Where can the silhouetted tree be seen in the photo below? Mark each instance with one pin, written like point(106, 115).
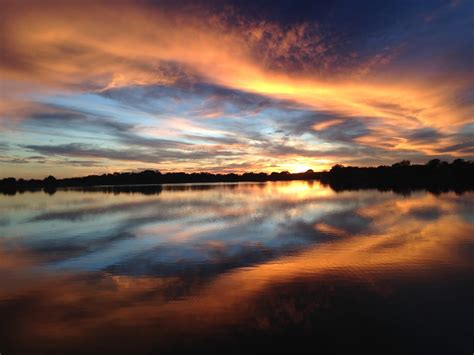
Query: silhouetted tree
point(337, 167)
point(434, 163)
point(50, 180)
point(459, 162)
point(403, 163)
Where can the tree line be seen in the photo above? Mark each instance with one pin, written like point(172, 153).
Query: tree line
point(146, 177)
point(435, 175)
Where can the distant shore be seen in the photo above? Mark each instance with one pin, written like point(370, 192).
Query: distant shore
point(435, 176)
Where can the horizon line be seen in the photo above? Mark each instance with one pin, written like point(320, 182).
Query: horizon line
point(400, 163)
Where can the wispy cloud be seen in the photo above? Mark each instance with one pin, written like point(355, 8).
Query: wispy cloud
point(204, 81)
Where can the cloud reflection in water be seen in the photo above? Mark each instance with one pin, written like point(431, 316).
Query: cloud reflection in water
point(207, 261)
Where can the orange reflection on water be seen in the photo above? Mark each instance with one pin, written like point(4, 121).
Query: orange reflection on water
point(64, 310)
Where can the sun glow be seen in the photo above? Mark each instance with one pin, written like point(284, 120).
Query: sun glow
point(301, 168)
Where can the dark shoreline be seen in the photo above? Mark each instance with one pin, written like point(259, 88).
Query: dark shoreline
point(435, 176)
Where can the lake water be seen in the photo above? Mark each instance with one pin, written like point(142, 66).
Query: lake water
point(236, 267)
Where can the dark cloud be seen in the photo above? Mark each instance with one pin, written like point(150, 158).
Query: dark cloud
point(200, 99)
point(424, 135)
point(218, 140)
point(142, 155)
point(82, 150)
point(56, 117)
point(223, 166)
point(304, 122)
point(465, 148)
point(338, 129)
point(83, 163)
point(345, 131)
point(13, 160)
point(23, 160)
point(61, 119)
point(466, 131)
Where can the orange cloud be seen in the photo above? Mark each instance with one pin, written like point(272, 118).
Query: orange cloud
point(92, 47)
point(96, 46)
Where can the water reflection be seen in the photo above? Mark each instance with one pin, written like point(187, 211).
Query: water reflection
point(234, 267)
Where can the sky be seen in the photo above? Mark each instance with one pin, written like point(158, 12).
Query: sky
point(92, 87)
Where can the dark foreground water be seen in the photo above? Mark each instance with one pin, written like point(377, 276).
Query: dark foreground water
point(235, 268)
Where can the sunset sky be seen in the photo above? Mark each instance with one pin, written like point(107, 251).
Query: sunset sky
point(230, 86)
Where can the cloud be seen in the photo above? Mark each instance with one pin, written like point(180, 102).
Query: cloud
point(466, 148)
point(200, 100)
point(139, 154)
point(13, 159)
point(115, 51)
point(425, 135)
point(206, 78)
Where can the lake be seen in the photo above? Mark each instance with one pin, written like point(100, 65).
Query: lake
point(231, 268)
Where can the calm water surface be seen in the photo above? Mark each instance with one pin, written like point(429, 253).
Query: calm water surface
point(234, 268)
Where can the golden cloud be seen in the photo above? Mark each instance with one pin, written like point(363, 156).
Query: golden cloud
point(94, 47)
